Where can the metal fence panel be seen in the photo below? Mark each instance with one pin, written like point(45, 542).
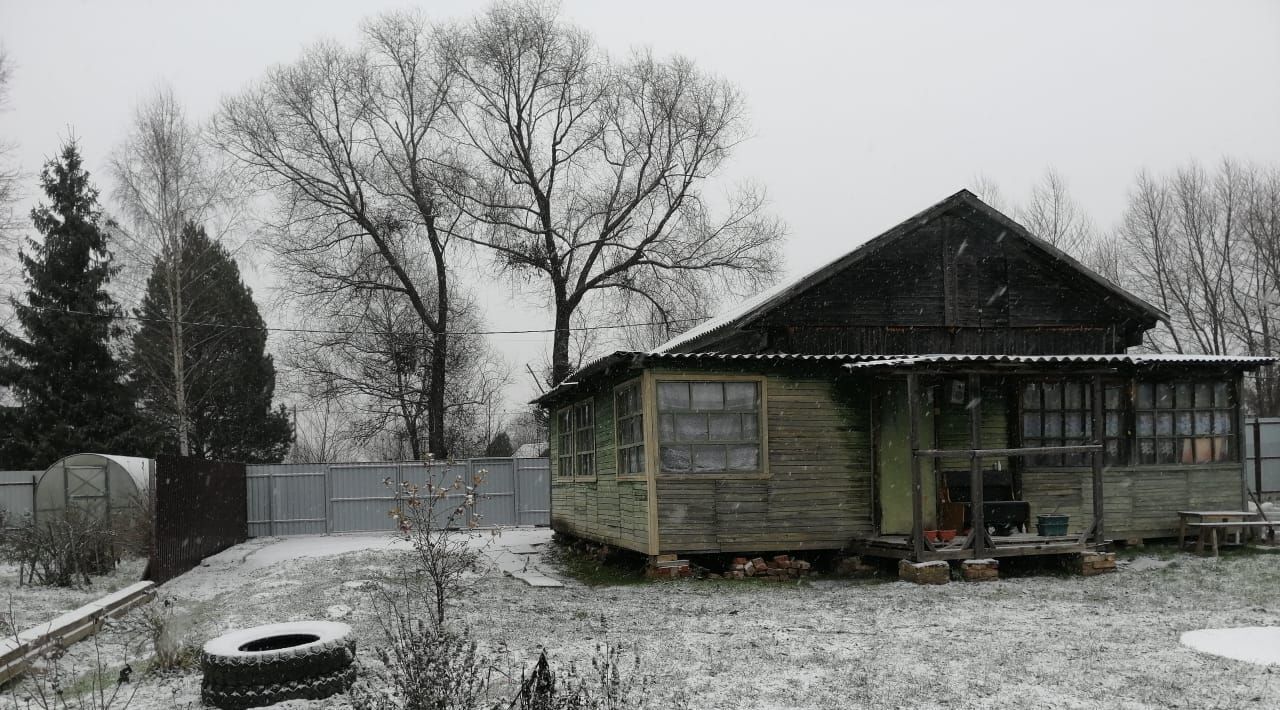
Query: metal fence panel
point(17, 493)
point(309, 499)
point(533, 491)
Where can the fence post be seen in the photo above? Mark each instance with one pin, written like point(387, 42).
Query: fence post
point(328, 499)
point(271, 503)
point(1257, 457)
point(515, 490)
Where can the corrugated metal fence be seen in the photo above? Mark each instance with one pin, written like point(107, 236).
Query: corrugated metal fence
point(317, 499)
point(17, 493)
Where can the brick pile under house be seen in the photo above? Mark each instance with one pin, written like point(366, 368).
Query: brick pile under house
point(779, 567)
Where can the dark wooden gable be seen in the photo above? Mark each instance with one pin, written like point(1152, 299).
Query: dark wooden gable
point(958, 278)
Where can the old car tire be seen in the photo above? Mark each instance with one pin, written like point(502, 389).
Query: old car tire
point(268, 664)
point(240, 697)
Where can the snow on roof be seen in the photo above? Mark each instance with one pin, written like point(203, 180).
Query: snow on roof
point(1109, 359)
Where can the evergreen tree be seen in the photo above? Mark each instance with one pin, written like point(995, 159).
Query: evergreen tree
point(500, 446)
point(229, 379)
point(68, 386)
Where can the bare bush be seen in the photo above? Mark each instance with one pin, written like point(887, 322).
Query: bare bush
point(63, 551)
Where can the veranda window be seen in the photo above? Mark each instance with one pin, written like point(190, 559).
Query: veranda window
point(564, 442)
point(1060, 413)
point(709, 427)
point(628, 412)
point(1184, 422)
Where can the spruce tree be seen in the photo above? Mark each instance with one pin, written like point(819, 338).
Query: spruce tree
point(229, 379)
point(68, 387)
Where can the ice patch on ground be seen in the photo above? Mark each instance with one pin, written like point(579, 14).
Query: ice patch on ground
point(1252, 644)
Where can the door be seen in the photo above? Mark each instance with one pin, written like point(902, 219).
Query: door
point(893, 453)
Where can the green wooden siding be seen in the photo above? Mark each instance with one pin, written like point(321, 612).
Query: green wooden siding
point(605, 510)
point(817, 494)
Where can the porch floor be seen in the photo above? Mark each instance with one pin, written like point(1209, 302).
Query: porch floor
point(1017, 544)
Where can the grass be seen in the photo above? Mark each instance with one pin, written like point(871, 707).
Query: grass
point(615, 570)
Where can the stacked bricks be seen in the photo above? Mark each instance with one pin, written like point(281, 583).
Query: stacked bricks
point(936, 572)
point(779, 568)
point(1093, 563)
point(980, 570)
point(668, 567)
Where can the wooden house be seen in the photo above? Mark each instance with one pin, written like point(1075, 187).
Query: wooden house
point(955, 374)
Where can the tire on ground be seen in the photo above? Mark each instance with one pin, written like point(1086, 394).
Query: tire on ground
point(251, 696)
point(250, 667)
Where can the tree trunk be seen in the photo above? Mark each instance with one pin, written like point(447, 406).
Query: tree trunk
point(435, 394)
point(176, 342)
point(560, 368)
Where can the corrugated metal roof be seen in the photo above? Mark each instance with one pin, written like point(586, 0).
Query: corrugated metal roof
point(853, 361)
point(1106, 359)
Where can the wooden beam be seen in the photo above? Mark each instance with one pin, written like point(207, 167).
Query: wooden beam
point(974, 394)
point(1099, 430)
point(1023, 451)
point(917, 485)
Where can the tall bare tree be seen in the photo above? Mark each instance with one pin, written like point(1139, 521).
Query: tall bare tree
point(165, 179)
point(1051, 214)
point(9, 175)
point(349, 143)
point(589, 175)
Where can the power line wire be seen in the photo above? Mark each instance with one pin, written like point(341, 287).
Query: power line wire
point(323, 331)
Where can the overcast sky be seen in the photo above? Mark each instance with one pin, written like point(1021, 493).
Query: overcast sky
point(863, 113)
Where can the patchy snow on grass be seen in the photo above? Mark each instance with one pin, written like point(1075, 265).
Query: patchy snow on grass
point(1049, 641)
point(31, 605)
point(1256, 644)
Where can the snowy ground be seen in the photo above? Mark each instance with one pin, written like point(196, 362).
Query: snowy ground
point(34, 605)
point(1040, 641)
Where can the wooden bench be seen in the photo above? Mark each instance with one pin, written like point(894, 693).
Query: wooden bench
point(1213, 527)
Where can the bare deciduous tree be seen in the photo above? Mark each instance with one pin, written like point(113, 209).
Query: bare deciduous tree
point(166, 178)
point(9, 178)
point(589, 175)
point(348, 143)
point(1051, 214)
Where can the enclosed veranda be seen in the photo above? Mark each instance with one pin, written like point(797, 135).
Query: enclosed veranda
point(970, 448)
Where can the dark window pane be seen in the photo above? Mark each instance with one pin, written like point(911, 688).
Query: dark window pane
point(744, 458)
point(708, 458)
point(725, 427)
point(750, 426)
point(1074, 395)
point(1073, 425)
point(1031, 425)
point(1164, 396)
point(1222, 422)
point(1113, 424)
point(1113, 450)
point(1184, 423)
point(667, 427)
point(1221, 394)
point(1204, 420)
point(1204, 397)
point(1052, 395)
point(707, 395)
point(1222, 449)
point(1052, 424)
point(1147, 451)
point(1113, 397)
point(673, 396)
point(741, 396)
point(1031, 396)
point(1146, 424)
point(1164, 423)
point(1183, 390)
point(691, 427)
point(1165, 451)
point(1146, 395)
point(675, 458)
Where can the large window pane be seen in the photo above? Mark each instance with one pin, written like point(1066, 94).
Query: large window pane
point(718, 422)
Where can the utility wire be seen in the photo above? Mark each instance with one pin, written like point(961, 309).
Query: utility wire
point(322, 331)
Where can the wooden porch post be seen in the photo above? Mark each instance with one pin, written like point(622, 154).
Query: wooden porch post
point(979, 535)
point(1099, 438)
point(917, 485)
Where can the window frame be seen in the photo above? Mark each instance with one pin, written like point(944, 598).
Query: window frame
point(643, 415)
point(1230, 410)
point(572, 434)
point(762, 416)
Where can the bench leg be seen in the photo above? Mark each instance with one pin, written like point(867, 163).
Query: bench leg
point(1182, 533)
point(1215, 541)
point(1200, 541)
